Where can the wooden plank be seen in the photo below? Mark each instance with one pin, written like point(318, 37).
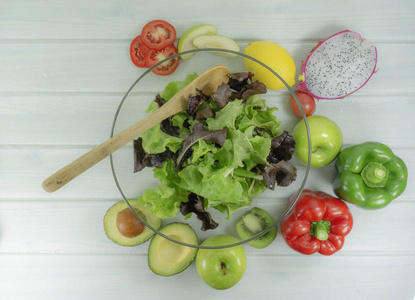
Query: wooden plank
point(21, 176)
point(284, 20)
point(127, 276)
point(106, 67)
point(65, 67)
point(76, 226)
point(83, 119)
point(23, 171)
point(58, 119)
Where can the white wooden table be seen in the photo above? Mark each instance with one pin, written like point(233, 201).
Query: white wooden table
point(64, 67)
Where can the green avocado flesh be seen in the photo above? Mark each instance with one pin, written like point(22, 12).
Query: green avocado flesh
point(167, 258)
point(124, 228)
point(254, 221)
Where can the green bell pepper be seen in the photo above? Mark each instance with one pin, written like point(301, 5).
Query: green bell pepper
point(369, 175)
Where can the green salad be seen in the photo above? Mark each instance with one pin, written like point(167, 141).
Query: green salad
point(221, 151)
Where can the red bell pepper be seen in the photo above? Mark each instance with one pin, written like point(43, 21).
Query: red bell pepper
point(318, 222)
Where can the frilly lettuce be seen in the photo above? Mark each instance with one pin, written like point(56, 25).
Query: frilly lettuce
point(224, 176)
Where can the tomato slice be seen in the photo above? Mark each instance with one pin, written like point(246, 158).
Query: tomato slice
point(154, 56)
point(137, 51)
point(158, 34)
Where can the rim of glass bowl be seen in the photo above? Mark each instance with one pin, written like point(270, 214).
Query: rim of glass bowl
point(298, 193)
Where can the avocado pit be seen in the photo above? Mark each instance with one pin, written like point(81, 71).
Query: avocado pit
point(128, 224)
point(123, 227)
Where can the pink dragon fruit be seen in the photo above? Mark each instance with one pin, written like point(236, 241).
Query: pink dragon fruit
point(338, 66)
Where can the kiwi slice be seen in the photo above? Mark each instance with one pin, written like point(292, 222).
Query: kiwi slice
point(254, 221)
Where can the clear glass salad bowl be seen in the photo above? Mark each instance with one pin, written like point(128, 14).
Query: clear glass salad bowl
point(133, 107)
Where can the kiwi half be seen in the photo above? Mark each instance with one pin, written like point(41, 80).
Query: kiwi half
point(254, 221)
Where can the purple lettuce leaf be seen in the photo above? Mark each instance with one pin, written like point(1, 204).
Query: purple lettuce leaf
point(143, 159)
point(195, 101)
point(240, 86)
point(238, 80)
point(167, 127)
point(283, 173)
point(279, 170)
point(199, 132)
point(282, 148)
point(159, 100)
point(205, 113)
point(222, 95)
point(254, 88)
point(196, 205)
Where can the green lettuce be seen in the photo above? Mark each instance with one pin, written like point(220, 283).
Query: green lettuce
point(154, 139)
point(226, 176)
point(173, 87)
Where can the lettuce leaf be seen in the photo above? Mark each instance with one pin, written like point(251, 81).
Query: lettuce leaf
point(156, 141)
point(196, 205)
point(225, 173)
point(173, 87)
point(200, 133)
point(227, 116)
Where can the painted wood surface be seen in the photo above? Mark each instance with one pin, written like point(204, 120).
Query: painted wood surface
point(64, 68)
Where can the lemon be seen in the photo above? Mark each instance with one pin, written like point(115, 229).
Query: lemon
point(275, 57)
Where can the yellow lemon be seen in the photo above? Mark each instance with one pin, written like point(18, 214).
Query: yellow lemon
point(275, 57)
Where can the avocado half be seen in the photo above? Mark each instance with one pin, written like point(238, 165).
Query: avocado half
point(167, 258)
point(132, 231)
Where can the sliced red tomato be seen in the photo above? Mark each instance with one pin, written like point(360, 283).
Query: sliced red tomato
point(137, 51)
point(158, 34)
point(154, 56)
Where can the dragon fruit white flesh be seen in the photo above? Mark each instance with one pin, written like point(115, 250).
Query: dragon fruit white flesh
point(338, 66)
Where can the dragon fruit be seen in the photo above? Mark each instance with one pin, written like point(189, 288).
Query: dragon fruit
point(338, 66)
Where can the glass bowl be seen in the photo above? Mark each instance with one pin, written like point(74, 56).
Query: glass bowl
point(133, 108)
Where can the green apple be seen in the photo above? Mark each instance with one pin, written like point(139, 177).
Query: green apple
point(326, 141)
point(217, 41)
point(221, 268)
point(186, 40)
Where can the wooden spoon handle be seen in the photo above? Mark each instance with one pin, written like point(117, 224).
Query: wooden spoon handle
point(89, 159)
point(208, 82)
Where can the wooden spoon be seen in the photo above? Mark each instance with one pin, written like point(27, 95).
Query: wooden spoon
point(208, 83)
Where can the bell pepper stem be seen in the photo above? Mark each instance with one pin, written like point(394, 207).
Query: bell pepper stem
point(374, 175)
point(320, 229)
